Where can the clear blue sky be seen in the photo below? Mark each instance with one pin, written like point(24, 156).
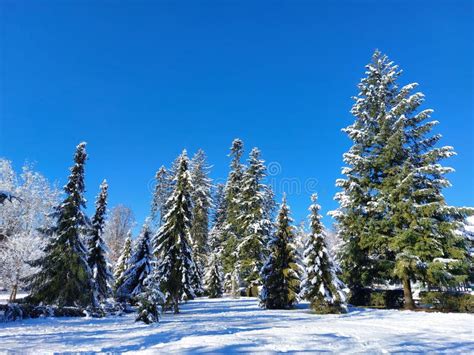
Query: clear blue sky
point(141, 80)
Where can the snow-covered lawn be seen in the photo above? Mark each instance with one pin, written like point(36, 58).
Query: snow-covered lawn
point(239, 325)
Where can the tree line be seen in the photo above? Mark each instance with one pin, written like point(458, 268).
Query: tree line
point(393, 224)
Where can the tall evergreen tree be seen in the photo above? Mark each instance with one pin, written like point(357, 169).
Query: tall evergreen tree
point(201, 199)
point(252, 248)
point(65, 278)
point(176, 268)
point(123, 262)
point(392, 216)
point(97, 257)
point(140, 267)
point(216, 233)
point(232, 228)
point(321, 285)
point(281, 272)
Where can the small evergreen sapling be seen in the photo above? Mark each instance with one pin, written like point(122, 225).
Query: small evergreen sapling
point(123, 261)
point(214, 277)
point(321, 285)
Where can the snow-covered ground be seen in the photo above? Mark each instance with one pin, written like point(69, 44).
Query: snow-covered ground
point(239, 325)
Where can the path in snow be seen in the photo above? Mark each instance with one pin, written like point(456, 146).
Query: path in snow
point(239, 325)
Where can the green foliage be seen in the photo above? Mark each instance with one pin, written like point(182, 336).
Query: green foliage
point(390, 299)
point(281, 272)
point(448, 302)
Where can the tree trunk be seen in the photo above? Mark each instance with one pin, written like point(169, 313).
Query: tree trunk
point(13, 294)
point(407, 295)
point(175, 306)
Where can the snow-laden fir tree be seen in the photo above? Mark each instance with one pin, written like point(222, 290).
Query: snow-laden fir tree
point(254, 226)
point(321, 285)
point(176, 268)
point(65, 278)
point(201, 199)
point(281, 272)
point(393, 218)
point(150, 301)
point(232, 227)
point(139, 267)
point(97, 256)
point(214, 277)
point(160, 195)
point(123, 262)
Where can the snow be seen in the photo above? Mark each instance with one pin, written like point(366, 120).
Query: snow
point(239, 325)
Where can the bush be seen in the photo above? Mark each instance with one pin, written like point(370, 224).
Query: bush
point(366, 297)
point(448, 301)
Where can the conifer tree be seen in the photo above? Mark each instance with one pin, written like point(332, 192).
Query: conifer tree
point(123, 262)
point(281, 272)
point(149, 302)
point(201, 199)
point(393, 217)
point(160, 195)
point(64, 277)
point(252, 248)
point(139, 267)
point(216, 233)
point(176, 268)
point(232, 227)
point(214, 277)
point(321, 285)
point(97, 257)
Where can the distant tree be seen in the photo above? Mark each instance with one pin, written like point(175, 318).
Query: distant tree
point(65, 277)
point(160, 195)
point(117, 227)
point(281, 272)
point(321, 285)
point(214, 277)
point(21, 222)
point(202, 201)
point(140, 267)
point(123, 262)
point(97, 256)
point(233, 226)
point(252, 245)
point(172, 243)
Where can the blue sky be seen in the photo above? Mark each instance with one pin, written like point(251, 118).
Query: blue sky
point(141, 80)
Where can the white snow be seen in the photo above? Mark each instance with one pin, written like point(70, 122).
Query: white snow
point(239, 325)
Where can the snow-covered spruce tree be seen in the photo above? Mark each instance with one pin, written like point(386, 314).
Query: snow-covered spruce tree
point(176, 268)
point(394, 221)
point(97, 256)
point(214, 277)
point(202, 201)
point(218, 221)
point(160, 196)
point(65, 278)
point(149, 301)
point(321, 285)
point(232, 228)
point(252, 248)
point(21, 222)
point(123, 262)
point(140, 267)
point(281, 272)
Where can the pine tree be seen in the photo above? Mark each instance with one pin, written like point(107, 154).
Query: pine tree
point(160, 195)
point(321, 285)
point(65, 278)
point(214, 277)
point(123, 262)
point(140, 267)
point(201, 198)
point(281, 272)
point(176, 269)
point(97, 256)
point(232, 227)
point(251, 248)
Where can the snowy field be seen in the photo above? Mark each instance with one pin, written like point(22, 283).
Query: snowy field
point(229, 325)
